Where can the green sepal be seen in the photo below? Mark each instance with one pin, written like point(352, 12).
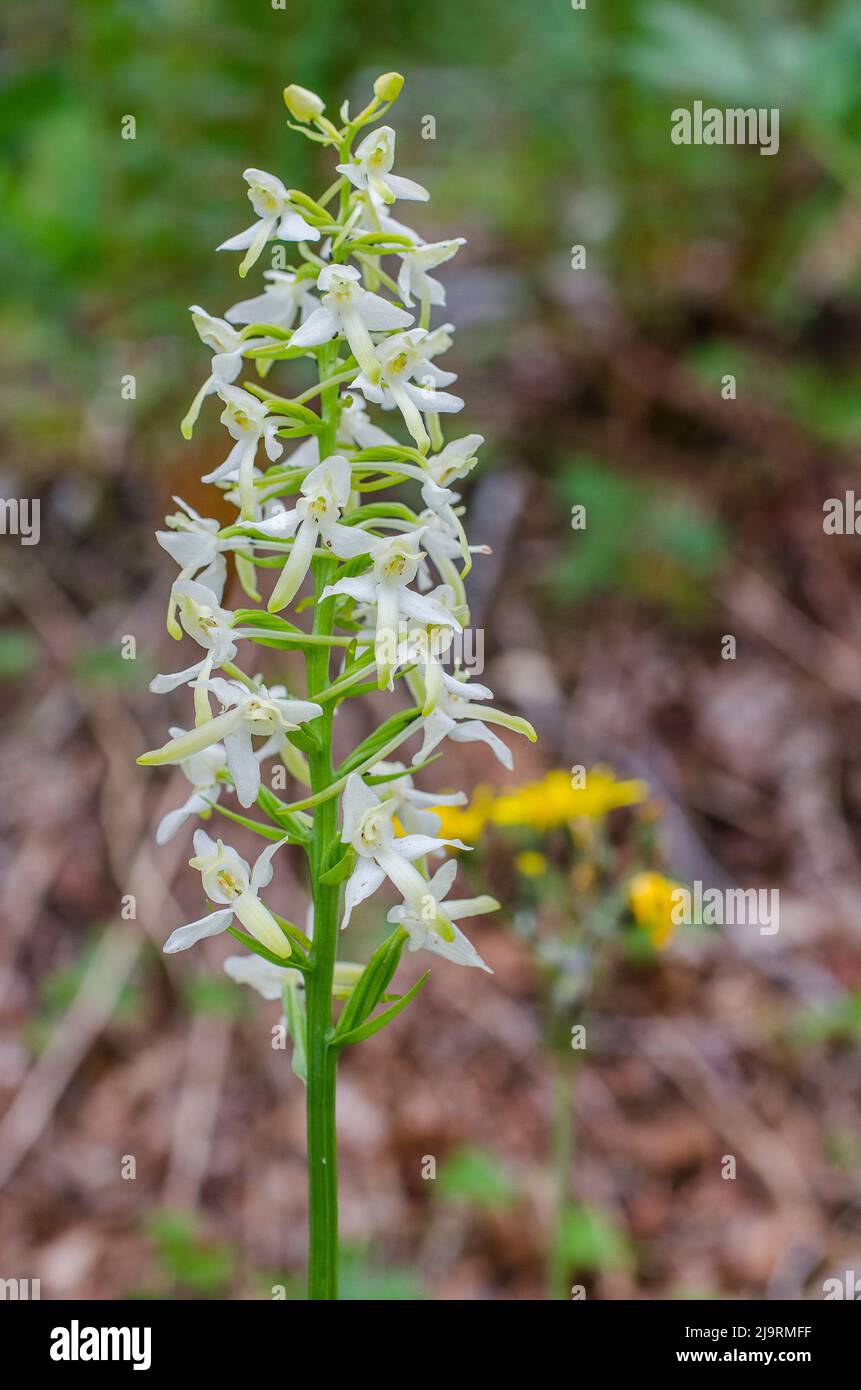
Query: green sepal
point(374, 1025)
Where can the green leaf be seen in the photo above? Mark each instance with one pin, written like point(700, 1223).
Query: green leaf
point(372, 983)
point(297, 825)
point(252, 944)
point(377, 739)
point(269, 832)
point(374, 1025)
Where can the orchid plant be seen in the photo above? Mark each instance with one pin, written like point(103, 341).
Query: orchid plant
point(388, 600)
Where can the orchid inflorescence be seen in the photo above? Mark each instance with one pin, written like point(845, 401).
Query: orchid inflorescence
point(388, 601)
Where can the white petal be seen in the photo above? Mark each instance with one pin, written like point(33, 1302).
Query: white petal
point(320, 327)
point(358, 798)
point(408, 190)
point(473, 731)
point(363, 881)
point(379, 315)
point(210, 925)
point(243, 766)
point(263, 869)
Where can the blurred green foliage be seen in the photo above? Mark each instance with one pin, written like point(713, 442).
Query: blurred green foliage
point(475, 1177)
point(591, 1241)
point(552, 125)
point(189, 1263)
point(646, 540)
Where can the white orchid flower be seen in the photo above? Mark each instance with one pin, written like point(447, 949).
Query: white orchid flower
point(247, 422)
point(210, 625)
point(411, 806)
point(193, 542)
point(245, 714)
point(396, 561)
point(269, 979)
point(402, 358)
point(369, 828)
point(356, 428)
point(370, 168)
point(452, 463)
point(422, 923)
point(414, 279)
point(227, 347)
point(348, 308)
point(455, 716)
point(424, 644)
point(202, 771)
point(286, 298)
point(227, 878)
point(324, 494)
point(276, 218)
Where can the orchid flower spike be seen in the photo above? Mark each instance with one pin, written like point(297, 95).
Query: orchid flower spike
point(370, 169)
point(228, 879)
point(368, 826)
point(276, 217)
point(348, 308)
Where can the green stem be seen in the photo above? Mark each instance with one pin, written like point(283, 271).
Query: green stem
point(322, 1059)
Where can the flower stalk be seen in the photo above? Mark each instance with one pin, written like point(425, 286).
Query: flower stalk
point(381, 620)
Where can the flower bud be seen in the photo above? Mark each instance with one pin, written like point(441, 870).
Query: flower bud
point(388, 86)
point(302, 104)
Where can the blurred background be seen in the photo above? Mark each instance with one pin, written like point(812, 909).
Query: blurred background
point(151, 1139)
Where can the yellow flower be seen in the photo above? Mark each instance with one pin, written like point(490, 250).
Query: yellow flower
point(650, 897)
point(466, 822)
point(530, 863)
point(554, 801)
